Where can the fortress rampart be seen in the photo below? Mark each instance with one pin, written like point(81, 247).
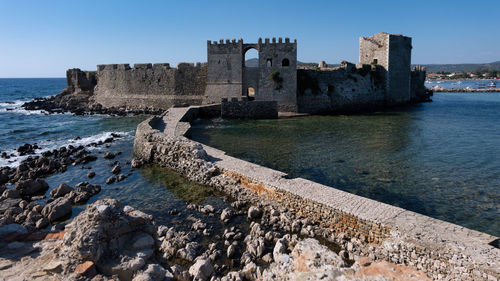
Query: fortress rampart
point(149, 86)
point(348, 88)
point(382, 78)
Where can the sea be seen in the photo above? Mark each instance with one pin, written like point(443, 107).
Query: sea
point(440, 159)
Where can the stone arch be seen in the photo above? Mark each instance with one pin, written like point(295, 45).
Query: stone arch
point(285, 62)
point(251, 53)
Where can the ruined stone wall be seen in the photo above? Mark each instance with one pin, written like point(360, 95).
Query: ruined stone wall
point(78, 80)
point(147, 86)
point(245, 109)
point(349, 88)
point(418, 91)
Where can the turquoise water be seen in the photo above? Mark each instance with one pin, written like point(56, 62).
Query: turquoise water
point(440, 159)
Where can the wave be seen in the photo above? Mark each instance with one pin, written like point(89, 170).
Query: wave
point(47, 145)
point(16, 103)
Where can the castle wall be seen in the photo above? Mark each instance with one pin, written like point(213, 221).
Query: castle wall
point(349, 88)
point(80, 81)
point(245, 109)
point(398, 78)
point(147, 86)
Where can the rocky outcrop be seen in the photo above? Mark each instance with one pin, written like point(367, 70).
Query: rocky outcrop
point(309, 260)
point(118, 240)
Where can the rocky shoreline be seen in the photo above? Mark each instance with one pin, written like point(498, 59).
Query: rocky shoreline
point(79, 102)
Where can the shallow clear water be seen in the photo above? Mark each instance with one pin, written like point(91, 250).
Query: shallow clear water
point(440, 159)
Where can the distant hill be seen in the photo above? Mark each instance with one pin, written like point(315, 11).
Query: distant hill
point(464, 67)
point(252, 62)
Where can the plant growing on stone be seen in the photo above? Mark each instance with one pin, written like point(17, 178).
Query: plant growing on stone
point(277, 79)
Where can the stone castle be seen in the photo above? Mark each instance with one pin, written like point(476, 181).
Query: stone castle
point(383, 77)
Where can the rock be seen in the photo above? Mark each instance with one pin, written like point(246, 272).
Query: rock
point(201, 270)
point(226, 215)
point(86, 269)
point(111, 180)
point(25, 149)
point(136, 163)
point(8, 203)
point(61, 190)
point(108, 155)
point(308, 258)
point(116, 169)
point(156, 271)
point(10, 193)
point(31, 187)
point(254, 212)
point(207, 209)
point(199, 225)
point(91, 175)
point(57, 209)
point(23, 204)
point(231, 251)
point(41, 223)
point(121, 177)
point(189, 252)
point(233, 276)
point(143, 241)
point(12, 228)
point(162, 230)
point(280, 249)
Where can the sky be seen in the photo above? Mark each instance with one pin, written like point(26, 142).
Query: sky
point(44, 38)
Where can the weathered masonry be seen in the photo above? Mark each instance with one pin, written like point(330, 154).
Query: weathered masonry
point(393, 53)
point(382, 78)
point(273, 79)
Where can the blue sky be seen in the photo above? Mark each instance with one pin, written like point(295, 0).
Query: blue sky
point(44, 38)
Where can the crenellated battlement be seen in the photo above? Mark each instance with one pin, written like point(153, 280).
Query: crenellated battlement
point(145, 66)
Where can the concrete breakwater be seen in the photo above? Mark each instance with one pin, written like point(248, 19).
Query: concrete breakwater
point(367, 228)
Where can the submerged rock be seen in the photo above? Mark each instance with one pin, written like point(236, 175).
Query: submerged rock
point(61, 190)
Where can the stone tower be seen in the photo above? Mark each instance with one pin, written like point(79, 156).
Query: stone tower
point(274, 78)
point(393, 52)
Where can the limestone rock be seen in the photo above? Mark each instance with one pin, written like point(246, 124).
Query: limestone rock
point(226, 215)
point(201, 270)
point(254, 212)
point(57, 209)
point(31, 187)
point(116, 169)
point(61, 190)
point(13, 228)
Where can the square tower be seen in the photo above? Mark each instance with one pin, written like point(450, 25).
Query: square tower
point(274, 78)
point(393, 52)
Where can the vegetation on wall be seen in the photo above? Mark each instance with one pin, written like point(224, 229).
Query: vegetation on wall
point(277, 79)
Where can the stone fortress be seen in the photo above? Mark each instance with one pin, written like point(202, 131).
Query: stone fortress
point(383, 77)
